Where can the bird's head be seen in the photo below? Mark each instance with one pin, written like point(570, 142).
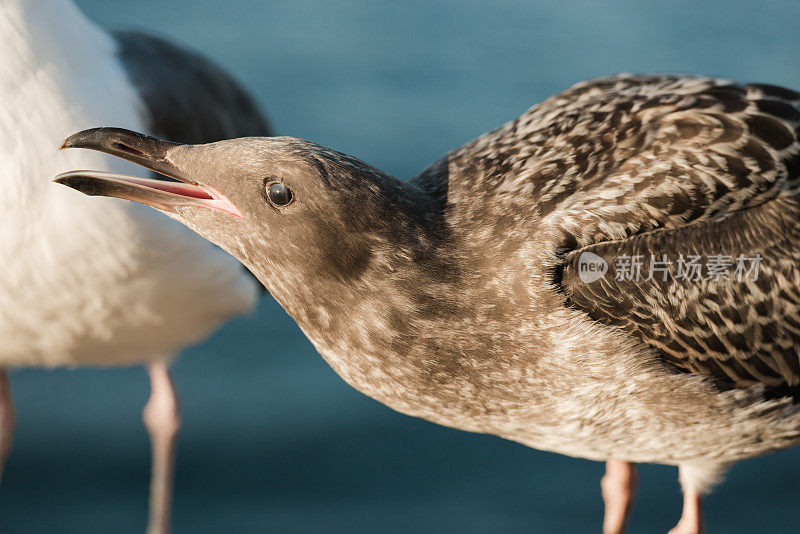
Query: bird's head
point(285, 207)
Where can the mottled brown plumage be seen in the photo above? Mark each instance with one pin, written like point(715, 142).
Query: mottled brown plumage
point(692, 166)
point(741, 332)
point(458, 298)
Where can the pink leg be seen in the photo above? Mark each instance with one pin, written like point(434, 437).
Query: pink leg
point(162, 418)
point(7, 418)
point(618, 486)
point(691, 521)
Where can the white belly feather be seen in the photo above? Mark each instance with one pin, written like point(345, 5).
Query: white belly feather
point(88, 281)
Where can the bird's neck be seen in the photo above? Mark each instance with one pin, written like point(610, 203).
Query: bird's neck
point(425, 325)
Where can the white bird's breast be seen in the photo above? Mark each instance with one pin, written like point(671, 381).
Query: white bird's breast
point(88, 280)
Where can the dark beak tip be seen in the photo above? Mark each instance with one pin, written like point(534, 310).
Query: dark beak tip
point(83, 184)
point(65, 178)
point(69, 142)
point(92, 138)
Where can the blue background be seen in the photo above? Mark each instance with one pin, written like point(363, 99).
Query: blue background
point(273, 440)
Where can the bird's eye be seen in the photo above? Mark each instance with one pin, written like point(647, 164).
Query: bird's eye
point(279, 194)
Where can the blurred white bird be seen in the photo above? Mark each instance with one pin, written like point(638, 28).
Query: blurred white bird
point(112, 282)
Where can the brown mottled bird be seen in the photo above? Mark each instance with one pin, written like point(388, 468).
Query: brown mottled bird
point(494, 292)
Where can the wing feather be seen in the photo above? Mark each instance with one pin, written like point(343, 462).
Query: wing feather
point(188, 98)
point(638, 165)
point(739, 328)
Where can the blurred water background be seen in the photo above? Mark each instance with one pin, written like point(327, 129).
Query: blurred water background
point(273, 440)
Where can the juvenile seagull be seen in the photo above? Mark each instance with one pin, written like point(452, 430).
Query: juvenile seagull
point(111, 284)
point(463, 298)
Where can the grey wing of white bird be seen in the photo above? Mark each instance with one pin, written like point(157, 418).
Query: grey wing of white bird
point(188, 98)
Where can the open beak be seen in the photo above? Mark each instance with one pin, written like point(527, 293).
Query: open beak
point(150, 153)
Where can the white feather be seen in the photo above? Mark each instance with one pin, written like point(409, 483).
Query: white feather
point(88, 281)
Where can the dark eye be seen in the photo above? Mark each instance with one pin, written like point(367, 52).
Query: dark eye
point(279, 194)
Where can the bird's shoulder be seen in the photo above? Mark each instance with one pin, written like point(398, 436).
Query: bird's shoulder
point(637, 171)
point(188, 98)
point(620, 155)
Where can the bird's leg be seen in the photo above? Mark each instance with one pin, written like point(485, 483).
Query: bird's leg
point(691, 521)
point(162, 418)
point(618, 486)
point(7, 418)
